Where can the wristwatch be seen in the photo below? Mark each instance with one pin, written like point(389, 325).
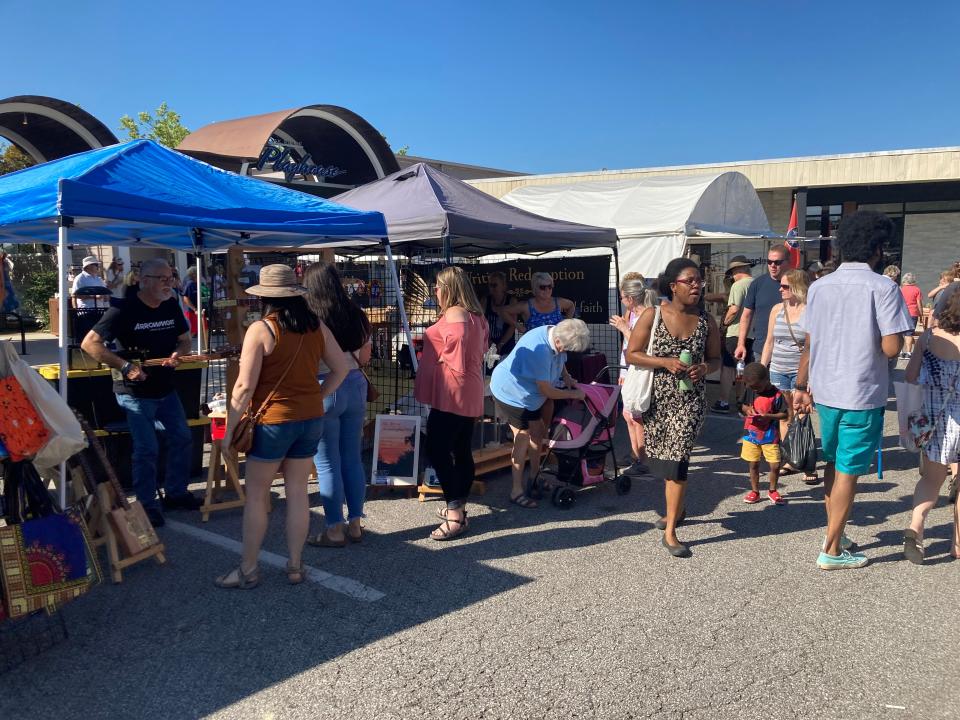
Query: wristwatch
point(125, 368)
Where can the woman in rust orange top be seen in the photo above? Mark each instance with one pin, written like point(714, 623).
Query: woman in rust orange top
point(450, 381)
point(279, 363)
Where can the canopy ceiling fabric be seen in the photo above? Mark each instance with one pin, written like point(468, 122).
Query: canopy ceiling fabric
point(142, 193)
point(655, 216)
point(423, 205)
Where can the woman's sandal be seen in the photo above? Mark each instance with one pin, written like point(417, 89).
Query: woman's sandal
point(811, 479)
point(355, 538)
point(323, 540)
point(296, 574)
point(237, 579)
point(446, 530)
point(524, 501)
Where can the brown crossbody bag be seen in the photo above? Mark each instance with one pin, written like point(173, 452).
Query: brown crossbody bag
point(242, 439)
point(372, 392)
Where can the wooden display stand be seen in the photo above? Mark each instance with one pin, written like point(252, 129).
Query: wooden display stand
point(223, 474)
point(102, 533)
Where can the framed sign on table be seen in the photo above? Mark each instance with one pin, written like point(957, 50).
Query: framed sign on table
point(396, 450)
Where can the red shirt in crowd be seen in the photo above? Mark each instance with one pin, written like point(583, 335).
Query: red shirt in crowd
point(911, 295)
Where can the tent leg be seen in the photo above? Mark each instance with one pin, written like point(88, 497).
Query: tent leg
point(616, 269)
point(64, 304)
point(199, 306)
point(403, 311)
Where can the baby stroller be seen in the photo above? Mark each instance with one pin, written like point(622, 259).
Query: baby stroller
point(581, 439)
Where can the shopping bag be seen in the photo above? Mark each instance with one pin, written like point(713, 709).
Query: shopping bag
point(911, 418)
point(638, 384)
point(45, 560)
point(799, 447)
point(65, 436)
point(21, 429)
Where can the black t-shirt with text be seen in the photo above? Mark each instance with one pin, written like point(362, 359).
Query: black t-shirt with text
point(143, 333)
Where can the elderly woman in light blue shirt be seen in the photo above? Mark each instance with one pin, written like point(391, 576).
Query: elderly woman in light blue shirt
point(524, 381)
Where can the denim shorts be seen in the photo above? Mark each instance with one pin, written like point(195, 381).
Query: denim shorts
point(296, 439)
point(783, 382)
point(850, 438)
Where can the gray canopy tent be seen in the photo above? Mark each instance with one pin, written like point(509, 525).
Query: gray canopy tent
point(428, 209)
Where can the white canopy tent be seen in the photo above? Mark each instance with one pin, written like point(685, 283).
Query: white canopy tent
point(656, 217)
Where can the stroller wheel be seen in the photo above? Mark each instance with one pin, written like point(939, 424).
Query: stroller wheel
point(623, 483)
point(563, 498)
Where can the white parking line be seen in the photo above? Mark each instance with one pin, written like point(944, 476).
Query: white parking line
point(337, 583)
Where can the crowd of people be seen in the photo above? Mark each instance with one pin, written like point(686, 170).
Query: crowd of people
point(780, 342)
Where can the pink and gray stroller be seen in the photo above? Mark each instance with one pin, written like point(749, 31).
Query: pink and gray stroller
point(581, 440)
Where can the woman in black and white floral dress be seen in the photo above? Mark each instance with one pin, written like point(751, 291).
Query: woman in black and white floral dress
point(936, 366)
point(676, 415)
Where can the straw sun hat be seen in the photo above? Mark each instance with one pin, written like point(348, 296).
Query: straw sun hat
point(277, 281)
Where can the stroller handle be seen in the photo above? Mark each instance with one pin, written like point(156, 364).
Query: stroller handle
point(606, 369)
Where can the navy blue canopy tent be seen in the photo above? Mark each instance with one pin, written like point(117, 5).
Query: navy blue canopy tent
point(143, 194)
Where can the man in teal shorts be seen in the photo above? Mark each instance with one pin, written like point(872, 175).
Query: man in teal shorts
point(854, 322)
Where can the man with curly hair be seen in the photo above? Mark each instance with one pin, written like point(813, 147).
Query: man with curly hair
point(854, 322)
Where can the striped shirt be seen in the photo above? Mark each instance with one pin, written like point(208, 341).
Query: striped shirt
point(786, 353)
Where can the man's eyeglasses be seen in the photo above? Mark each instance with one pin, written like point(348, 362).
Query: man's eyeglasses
point(778, 263)
point(161, 278)
point(545, 287)
point(690, 281)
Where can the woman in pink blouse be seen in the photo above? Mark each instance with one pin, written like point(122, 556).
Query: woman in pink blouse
point(450, 381)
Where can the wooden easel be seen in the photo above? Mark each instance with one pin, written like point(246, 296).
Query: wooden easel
point(102, 533)
point(223, 474)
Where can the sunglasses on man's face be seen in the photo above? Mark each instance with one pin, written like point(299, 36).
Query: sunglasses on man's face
point(778, 263)
point(545, 287)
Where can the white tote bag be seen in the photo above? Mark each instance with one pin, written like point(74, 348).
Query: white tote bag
point(66, 435)
point(909, 401)
point(638, 385)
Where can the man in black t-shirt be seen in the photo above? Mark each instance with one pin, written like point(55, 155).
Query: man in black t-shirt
point(150, 325)
point(762, 295)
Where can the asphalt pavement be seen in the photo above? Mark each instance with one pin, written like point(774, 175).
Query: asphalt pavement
point(543, 613)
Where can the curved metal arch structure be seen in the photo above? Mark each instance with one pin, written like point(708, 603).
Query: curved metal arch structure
point(47, 128)
point(325, 136)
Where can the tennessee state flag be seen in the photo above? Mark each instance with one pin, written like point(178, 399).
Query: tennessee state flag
point(793, 237)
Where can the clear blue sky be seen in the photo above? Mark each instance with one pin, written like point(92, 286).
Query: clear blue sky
point(548, 86)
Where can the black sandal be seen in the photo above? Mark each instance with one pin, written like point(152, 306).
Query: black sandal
point(524, 501)
point(442, 535)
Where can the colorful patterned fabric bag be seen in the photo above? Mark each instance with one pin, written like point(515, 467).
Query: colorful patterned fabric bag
point(45, 560)
point(22, 430)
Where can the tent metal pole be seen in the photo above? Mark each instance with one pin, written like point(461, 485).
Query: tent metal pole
point(197, 249)
point(64, 309)
point(403, 311)
point(447, 250)
point(616, 269)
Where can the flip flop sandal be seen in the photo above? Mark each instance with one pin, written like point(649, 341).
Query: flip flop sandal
point(811, 479)
point(442, 535)
point(912, 547)
point(523, 501)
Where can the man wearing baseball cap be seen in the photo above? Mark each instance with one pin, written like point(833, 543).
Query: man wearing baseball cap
point(90, 277)
point(738, 270)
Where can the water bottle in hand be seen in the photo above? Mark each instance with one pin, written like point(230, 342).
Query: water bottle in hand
point(686, 384)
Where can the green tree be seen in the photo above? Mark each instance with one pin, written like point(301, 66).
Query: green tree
point(13, 158)
point(164, 126)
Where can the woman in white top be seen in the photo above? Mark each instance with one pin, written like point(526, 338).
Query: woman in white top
point(634, 296)
point(339, 465)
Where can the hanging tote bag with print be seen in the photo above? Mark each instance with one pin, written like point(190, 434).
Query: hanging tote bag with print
point(638, 385)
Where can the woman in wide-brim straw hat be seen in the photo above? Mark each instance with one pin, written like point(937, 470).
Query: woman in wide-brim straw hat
point(279, 362)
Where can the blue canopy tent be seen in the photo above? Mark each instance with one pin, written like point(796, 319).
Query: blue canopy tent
point(143, 194)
